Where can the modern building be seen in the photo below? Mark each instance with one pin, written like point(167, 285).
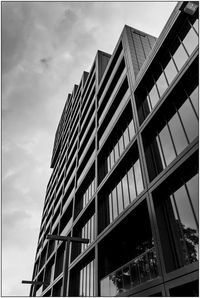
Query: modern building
point(125, 172)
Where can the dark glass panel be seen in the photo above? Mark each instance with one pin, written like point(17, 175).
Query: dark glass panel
point(154, 97)
point(161, 84)
point(125, 191)
point(138, 177)
point(180, 57)
point(170, 71)
point(167, 145)
point(193, 188)
point(178, 134)
point(120, 197)
point(189, 119)
point(194, 96)
point(190, 41)
point(126, 278)
point(131, 182)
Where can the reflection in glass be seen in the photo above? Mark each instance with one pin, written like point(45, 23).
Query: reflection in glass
point(190, 41)
point(178, 135)
point(139, 270)
point(193, 187)
point(138, 177)
point(153, 95)
point(126, 137)
point(121, 145)
point(131, 182)
point(120, 197)
point(161, 84)
point(189, 119)
point(110, 208)
point(180, 57)
point(131, 129)
point(194, 96)
point(115, 207)
point(170, 71)
point(196, 25)
point(125, 191)
point(167, 145)
point(160, 152)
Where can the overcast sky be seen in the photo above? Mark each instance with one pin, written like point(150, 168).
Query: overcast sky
point(45, 49)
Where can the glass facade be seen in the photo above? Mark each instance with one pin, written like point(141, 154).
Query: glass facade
point(178, 132)
point(86, 284)
point(126, 191)
point(125, 172)
point(178, 223)
point(174, 58)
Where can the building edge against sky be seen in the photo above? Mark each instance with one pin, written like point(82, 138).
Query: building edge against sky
point(125, 172)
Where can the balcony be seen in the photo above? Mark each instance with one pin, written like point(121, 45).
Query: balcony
point(141, 269)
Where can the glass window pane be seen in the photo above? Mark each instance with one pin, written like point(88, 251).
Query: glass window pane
point(91, 280)
point(193, 187)
point(131, 182)
point(131, 129)
point(194, 96)
point(116, 152)
point(167, 146)
point(184, 208)
point(160, 154)
point(180, 57)
point(121, 145)
point(154, 97)
point(170, 71)
point(178, 134)
point(189, 119)
point(196, 25)
point(80, 284)
point(190, 41)
point(125, 191)
point(138, 177)
point(126, 138)
point(88, 280)
point(110, 208)
point(120, 197)
point(115, 205)
point(112, 161)
point(161, 84)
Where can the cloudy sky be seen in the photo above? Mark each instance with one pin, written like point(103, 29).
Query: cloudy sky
point(45, 49)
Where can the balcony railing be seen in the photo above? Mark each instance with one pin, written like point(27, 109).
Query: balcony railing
point(141, 269)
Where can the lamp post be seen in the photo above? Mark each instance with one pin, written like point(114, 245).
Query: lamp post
point(67, 239)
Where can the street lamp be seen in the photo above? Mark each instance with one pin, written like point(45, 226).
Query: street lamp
point(66, 256)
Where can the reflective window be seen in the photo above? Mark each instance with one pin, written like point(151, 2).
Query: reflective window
point(196, 25)
point(126, 138)
point(160, 152)
point(131, 181)
point(178, 134)
point(88, 231)
point(170, 71)
point(120, 197)
point(121, 145)
point(189, 119)
point(86, 281)
point(194, 96)
point(180, 57)
point(193, 189)
point(161, 84)
point(131, 129)
point(125, 191)
point(190, 41)
point(138, 177)
point(167, 145)
point(154, 97)
point(116, 151)
point(115, 204)
point(111, 208)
